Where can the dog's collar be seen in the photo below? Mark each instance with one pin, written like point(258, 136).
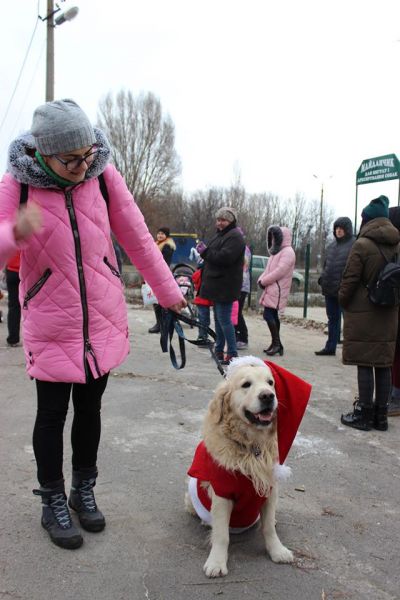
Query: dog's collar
point(253, 448)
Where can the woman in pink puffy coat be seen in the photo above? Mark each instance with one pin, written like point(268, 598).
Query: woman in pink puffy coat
point(276, 281)
point(75, 327)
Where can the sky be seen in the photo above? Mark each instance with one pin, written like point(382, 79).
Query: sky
point(277, 92)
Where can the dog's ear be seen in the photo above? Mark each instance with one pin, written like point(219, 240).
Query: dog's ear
point(218, 403)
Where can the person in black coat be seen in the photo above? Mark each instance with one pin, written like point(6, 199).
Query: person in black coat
point(222, 278)
point(335, 261)
point(394, 402)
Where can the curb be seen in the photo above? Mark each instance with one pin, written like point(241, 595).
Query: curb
point(303, 322)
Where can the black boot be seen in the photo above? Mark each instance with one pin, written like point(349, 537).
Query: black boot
point(360, 418)
point(56, 518)
point(266, 350)
point(325, 352)
point(157, 327)
point(81, 499)
point(380, 417)
point(276, 346)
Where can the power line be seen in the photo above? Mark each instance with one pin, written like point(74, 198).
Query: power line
point(29, 87)
point(19, 76)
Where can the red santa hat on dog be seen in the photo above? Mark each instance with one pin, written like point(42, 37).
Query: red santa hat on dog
point(292, 394)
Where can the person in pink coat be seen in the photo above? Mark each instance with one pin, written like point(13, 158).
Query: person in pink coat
point(276, 281)
point(74, 317)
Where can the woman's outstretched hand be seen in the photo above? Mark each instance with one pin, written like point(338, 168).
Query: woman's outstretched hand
point(29, 220)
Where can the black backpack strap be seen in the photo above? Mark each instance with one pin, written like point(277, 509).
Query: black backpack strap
point(23, 194)
point(103, 188)
point(383, 256)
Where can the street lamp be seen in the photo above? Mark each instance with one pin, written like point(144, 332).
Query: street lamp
point(321, 214)
point(52, 22)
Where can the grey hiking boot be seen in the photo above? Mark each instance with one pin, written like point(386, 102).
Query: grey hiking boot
point(82, 500)
point(56, 518)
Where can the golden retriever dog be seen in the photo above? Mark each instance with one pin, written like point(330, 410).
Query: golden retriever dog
point(233, 477)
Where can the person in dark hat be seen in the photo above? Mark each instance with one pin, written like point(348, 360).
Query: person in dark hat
point(369, 333)
point(222, 278)
point(167, 247)
point(334, 263)
point(394, 402)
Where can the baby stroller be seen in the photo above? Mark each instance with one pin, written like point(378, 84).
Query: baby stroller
point(183, 274)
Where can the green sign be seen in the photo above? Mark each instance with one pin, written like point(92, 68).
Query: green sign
point(381, 168)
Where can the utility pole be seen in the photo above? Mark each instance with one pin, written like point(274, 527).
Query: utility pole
point(50, 52)
point(52, 22)
point(321, 216)
point(321, 221)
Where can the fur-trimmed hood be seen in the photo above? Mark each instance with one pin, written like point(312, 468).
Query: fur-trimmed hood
point(24, 168)
point(278, 238)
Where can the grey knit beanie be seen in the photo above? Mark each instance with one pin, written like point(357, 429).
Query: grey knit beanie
point(227, 213)
point(61, 126)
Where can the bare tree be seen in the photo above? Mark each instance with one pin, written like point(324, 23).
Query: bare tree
point(201, 209)
point(142, 143)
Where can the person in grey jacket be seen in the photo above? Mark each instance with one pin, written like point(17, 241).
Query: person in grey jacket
point(335, 261)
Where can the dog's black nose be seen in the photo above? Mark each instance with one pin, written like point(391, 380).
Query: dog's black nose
point(266, 399)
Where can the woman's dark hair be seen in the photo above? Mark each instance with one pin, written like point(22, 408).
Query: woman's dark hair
point(164, 230)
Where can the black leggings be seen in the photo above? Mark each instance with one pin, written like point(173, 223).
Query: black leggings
point(383, 384)
point(14, 309)
point(52, 408)
point(242, 334)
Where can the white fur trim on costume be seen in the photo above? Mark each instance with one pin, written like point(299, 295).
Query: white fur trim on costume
point(282, 472)
point(205, 514)
point(240, 361)
point(200, 509)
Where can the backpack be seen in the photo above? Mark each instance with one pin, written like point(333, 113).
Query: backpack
point(385, 291)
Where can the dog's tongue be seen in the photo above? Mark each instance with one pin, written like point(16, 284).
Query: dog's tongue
point(263, 416)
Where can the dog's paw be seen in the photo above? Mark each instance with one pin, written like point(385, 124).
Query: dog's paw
point(280, 554)
point(215, 567)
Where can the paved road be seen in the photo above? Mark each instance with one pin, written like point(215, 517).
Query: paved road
point(339, 512)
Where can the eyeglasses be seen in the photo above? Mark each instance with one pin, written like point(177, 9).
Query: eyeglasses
point(75, 163)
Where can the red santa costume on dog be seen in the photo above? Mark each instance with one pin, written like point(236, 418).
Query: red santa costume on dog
point(292, 394)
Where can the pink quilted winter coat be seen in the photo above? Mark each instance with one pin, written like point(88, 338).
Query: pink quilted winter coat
point(277, 277)
point(71, 293)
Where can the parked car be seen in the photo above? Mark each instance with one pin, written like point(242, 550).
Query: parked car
point(258, 265)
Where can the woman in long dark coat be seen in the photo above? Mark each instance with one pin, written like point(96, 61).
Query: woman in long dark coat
point(394, 402)
point(369, 333)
